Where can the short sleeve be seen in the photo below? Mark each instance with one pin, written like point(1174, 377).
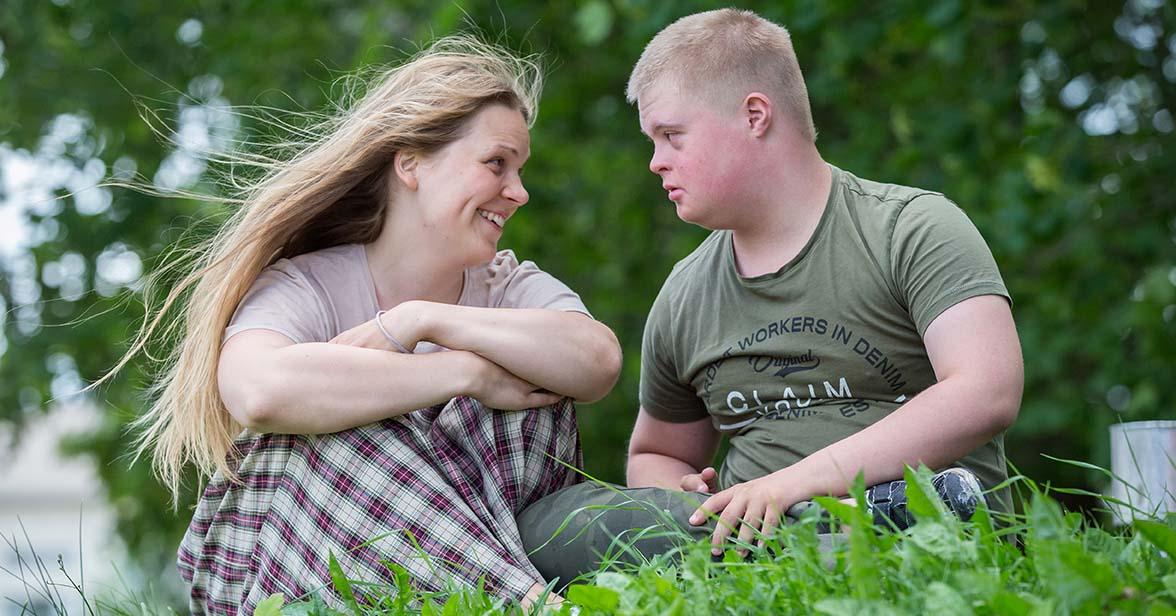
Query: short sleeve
point(282, 300)
point(524, 285)
point(663, 392)
point(938, 259)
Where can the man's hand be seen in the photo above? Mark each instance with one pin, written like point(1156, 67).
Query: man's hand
point(749, 507)
point(705, 482)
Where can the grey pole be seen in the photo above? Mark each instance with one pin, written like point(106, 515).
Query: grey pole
point(1143, 460)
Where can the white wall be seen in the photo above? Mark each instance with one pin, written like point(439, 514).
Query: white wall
point(57, 505)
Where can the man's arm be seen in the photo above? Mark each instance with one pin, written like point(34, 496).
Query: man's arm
point(974, 350)
point(661, 452)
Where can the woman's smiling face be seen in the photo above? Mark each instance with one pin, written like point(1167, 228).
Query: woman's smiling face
point(469, 189)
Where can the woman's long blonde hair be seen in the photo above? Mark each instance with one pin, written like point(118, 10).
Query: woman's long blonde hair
point(333, 191)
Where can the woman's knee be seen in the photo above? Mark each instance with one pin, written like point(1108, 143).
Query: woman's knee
point(563, 405)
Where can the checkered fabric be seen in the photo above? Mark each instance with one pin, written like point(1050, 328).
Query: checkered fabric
point(450, 479)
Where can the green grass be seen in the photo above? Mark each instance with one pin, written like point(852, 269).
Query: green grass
point(1045, 561)
point(54, 590)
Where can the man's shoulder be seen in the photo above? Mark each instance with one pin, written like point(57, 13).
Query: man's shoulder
point(702, 263)
point(882, 212)
point(884, 199)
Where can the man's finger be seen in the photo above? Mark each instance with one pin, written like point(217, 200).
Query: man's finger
point(752, 519)
point(707, 476)
point(727, 524)
point(771, 522)
point(711, 506)
point(698, 483)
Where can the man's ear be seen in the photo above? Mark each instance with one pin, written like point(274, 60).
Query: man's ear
point(756, 113)
point(405, 165)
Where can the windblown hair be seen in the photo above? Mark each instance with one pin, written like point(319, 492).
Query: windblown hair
point(722, 54)
point(334, 190)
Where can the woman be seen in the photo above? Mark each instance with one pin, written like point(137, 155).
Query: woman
point(357, 321)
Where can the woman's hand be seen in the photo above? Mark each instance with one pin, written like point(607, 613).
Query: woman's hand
point(565, 352)
point(403, 322)
point(495, 387)
point(486, 381)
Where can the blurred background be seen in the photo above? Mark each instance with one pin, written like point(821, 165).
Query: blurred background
point(1050, 123)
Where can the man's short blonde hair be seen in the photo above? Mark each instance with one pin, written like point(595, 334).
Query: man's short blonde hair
point(724, 54)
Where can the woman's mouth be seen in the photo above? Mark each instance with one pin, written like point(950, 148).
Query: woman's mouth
point(495, 219)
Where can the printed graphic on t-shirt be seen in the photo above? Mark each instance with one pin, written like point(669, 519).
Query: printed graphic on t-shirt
point(767, 377)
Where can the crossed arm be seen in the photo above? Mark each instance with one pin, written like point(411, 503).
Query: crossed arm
point(506, 358)
point(974, 350)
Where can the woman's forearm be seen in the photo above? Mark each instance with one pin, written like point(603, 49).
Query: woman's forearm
point(564, 352)
point(318, 388)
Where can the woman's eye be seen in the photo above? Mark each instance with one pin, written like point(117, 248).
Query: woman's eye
point(496, 163)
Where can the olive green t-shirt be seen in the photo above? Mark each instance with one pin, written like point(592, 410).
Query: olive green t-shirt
point(789, 362)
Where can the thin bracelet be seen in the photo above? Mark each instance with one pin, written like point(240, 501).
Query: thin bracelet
point(396, 343)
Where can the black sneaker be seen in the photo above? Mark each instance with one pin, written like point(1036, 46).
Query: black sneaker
point(958, 488)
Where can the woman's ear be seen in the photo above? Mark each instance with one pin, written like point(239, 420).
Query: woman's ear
point(405, 166)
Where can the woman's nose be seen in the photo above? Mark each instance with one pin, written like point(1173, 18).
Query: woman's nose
point(516, 192)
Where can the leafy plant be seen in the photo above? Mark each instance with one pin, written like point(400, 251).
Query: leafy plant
point(1046, 560)
point(1050, 123)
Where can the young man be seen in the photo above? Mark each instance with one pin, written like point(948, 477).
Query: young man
point(829, 326)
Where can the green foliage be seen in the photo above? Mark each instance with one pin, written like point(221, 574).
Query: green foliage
point(984, 102)
point(922, 499)
point(343, 585)
point(1045, 561)
point(939, 566)
point(271, 605)
point(1161, 535)
point(595, 598)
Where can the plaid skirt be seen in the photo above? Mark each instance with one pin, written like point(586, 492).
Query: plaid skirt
point(435, 491)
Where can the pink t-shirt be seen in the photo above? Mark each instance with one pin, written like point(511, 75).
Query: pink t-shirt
point(315, 296)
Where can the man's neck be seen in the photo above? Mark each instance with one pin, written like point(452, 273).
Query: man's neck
point(782, 220)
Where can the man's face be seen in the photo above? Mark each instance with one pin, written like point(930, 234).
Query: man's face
point(698, 152)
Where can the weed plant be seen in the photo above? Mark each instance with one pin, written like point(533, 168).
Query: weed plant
point(1042, 561)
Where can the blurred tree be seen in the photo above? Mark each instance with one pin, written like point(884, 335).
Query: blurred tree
point(1050, 123)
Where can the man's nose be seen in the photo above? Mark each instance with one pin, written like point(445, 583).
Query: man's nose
point(657, 163)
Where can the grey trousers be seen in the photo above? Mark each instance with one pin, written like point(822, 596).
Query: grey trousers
point(570, 532)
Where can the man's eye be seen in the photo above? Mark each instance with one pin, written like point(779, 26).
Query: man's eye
point(497, 163)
